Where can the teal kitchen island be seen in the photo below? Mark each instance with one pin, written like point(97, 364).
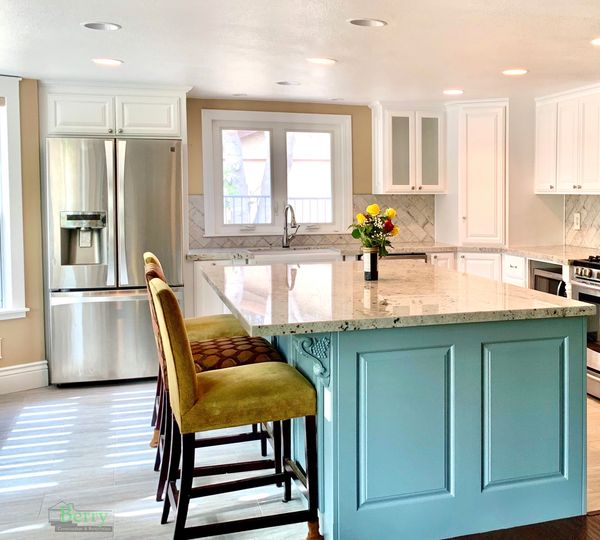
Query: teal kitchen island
point(448, 404)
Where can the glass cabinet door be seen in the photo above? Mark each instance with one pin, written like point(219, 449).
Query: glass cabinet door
point(428, 152)
point(401, 151)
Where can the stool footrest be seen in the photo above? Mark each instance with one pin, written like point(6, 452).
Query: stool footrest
point(262, 522)
point(297, 471)
point(230, 439)
point(245, 466)
point(236, 485)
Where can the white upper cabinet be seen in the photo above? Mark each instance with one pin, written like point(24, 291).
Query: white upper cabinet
point(79, 111)
point(545, 148)
point(567, 167)
point(148, 115)
point(81, 114)
point(408, 151)
point(481, 165)
point(590, 144)
point(567, 151)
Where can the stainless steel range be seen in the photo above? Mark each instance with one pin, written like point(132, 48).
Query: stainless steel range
point(585, 280)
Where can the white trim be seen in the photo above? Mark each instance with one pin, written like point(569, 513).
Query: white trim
point(7, 313)
point(341, 158)
point(23, 377)
point(574, 92)
point(13, 269)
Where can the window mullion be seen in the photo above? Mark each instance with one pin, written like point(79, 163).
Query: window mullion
point(279, 177)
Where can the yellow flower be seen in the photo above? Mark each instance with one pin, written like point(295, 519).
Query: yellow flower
point(373, 209)
point(395, 231)
point(360, 218)
point(390, 213)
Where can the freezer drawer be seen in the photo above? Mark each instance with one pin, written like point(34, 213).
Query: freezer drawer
point(101, 335)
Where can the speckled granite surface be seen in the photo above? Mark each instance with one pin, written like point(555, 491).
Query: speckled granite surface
point(333, 297)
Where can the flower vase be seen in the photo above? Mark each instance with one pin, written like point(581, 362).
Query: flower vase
point(370, 259)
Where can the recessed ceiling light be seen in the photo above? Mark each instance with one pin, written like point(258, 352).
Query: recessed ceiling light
point(322, 61)
point(595, 42)
point(454, 92)
point(368, 22)
point(288, 83)
point(513, 72)
point(102, 26)
point(107, 61)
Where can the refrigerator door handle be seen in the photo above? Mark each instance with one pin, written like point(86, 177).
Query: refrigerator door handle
point(93, 297)
point(111, 276)
point(121, 152)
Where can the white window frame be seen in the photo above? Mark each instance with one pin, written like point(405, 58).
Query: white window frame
point(11, 241)
point(340, 126)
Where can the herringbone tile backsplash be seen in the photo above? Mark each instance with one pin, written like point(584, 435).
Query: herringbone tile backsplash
point(589, 208)
point(415, 219)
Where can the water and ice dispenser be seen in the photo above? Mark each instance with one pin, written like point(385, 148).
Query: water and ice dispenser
point(82, 238)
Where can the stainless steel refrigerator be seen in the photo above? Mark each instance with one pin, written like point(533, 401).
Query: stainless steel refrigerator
point(107, 201)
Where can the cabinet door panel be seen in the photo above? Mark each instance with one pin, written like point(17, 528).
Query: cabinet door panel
point(80, 114)
point(590, 144)
point(445, 260)
point(482, 174)
point(545, 148)
point(399, 150)
point(567, 144)
point(142, 115)
point(485, 265)
point(429, 155)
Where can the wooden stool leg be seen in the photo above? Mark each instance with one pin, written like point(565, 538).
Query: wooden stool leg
point(156, 399)
point(312, 478)
point(263, 442)
point(287, 454)
point(188, 449)
point(173, 461)
point(166, 453)
point(160, 427)
point(277, 449)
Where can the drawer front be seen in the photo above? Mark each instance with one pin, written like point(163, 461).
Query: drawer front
point(513, 268)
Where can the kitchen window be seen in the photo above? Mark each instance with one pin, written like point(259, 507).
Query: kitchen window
point(12, 279)
point(257, 162)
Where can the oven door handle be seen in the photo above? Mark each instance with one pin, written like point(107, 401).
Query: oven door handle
point(561, 290)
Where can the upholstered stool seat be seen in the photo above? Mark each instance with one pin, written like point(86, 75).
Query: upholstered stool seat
point(249, 394)
point(213, 327)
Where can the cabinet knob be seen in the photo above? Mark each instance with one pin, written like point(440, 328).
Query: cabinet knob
point(412, 187)
point(120, 130)
point(579, 187)
point(435, 256)
point(464, 218)
point(420, 187)
point(551, 187)
point(574, 186)
point(110, 130)
point(462, 256)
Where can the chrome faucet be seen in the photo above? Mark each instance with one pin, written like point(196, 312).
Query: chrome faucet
point(287, 236)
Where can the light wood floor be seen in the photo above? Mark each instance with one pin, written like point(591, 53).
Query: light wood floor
point(593, 454)
point(89, 446)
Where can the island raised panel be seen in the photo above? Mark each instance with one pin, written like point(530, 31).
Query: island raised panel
point(518, 378)
point(404, 401)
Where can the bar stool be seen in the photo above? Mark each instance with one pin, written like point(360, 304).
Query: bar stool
point(241, 395)
point(208, 354)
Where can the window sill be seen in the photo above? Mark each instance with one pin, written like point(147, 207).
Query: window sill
point(13, 313)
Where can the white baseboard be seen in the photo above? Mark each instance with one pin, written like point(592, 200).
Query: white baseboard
point(23, 377)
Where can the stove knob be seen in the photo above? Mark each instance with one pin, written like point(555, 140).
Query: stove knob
point(577, 270)
point(588, 272)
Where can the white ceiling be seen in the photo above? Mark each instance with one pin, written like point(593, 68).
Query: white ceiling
point(222, 47)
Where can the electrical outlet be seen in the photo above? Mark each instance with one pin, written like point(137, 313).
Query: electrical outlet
point(577, 221)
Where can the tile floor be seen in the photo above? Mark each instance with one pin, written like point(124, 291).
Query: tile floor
point(89, 446)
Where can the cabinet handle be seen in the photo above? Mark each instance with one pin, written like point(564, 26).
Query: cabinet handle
point(110, 130)
point(462, 256)
point(120, 130)
point(513, 267)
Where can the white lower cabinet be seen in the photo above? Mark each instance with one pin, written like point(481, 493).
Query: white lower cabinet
point(487, 265)
point(445, 260)
point(514, 270)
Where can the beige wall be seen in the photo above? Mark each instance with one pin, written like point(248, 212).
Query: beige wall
point(361, 134)
point(23, 339)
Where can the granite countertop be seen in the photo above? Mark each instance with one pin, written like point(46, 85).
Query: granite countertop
point(330, 297)
point(560, 254)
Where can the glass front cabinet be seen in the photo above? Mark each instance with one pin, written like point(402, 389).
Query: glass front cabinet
point(408, 150)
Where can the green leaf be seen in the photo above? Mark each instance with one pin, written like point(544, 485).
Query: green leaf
point(356, 234)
